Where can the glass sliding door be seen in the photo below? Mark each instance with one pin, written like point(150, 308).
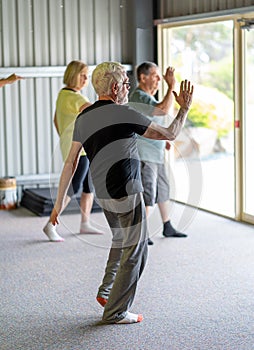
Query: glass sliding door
point(203, 53)
point(248, 126)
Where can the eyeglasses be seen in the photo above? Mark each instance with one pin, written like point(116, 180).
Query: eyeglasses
point(126, 83)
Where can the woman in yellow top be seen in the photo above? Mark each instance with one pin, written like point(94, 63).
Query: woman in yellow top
point(69, 104)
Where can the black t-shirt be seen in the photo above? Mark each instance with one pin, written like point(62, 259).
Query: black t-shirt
point(108, 134)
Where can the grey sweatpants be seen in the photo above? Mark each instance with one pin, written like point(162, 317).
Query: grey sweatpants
point(127, 257)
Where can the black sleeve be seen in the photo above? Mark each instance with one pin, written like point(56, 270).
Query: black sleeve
point(139, 121)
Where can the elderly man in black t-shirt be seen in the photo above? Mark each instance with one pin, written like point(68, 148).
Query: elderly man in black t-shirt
point(108, 130)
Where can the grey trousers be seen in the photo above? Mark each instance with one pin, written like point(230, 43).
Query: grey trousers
point(127, 257)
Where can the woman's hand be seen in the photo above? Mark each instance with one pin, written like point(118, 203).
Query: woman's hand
point(54, 217)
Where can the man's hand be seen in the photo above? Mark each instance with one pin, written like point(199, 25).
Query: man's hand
point(184, 99)
point(169, 77)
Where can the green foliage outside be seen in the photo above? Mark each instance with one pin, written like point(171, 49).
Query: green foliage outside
point(221, 76)
point(211, 109)
point(207, 50)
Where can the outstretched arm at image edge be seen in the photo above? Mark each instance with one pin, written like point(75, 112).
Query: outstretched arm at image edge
point(11, 79)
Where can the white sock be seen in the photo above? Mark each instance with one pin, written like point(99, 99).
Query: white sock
point(86, 227)
point(50, 230)
point(131, 318)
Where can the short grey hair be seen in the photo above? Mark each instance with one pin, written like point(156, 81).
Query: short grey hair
point(144, 68)
point(105, 74)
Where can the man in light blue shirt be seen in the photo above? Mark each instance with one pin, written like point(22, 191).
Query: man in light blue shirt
point(151, 152)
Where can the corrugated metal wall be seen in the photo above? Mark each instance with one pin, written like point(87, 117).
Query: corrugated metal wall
point(176, 8)
point(38, 38)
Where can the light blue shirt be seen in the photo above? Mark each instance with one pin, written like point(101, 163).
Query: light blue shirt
point(149, 150)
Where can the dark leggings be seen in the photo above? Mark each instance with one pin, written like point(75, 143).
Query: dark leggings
point(80, 178)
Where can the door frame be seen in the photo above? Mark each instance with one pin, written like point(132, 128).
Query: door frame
point(239, 107)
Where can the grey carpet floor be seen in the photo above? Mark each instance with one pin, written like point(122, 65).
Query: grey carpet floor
point(195, 293)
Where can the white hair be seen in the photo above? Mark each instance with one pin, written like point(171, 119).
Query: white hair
point(105, 74)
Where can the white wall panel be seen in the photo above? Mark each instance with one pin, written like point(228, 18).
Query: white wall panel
point(43, 124)
point(87, 31)
point(56, 30)
point(101, 23)
point(41, 33)
point(71, 30)
point(9, 40)
point(12, 130)
point(28, 145)
point(25, 33)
